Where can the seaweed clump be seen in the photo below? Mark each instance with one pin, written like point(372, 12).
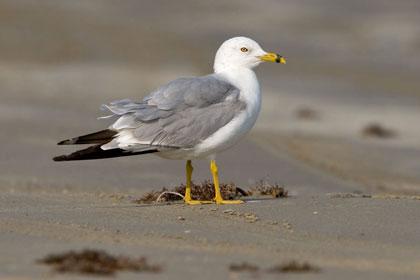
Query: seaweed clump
point(96, 262)
point(287, 267)
point(307, 113)
point(244, 267)
point(263, 188)
point(203, 191)
point(378, 131)
point(293, 266)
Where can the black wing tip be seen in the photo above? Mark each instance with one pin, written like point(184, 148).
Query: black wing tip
point(60, 158)
point(68, 141)
point(95, 152)
point(99, 137)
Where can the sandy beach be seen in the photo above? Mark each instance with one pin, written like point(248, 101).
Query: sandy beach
point(338, 128)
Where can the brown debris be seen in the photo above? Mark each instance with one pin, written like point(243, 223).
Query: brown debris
point(262, 188)
point(383, 196)
point(244, 267)
point(347, 195)
point(306, 113)
point(293, 266)
point(96, 262)
point(151, 197)
point(377, 130)
point(204, 191)
point(391, 196)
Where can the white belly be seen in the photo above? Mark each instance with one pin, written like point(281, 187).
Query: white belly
point(220, 141)
point(228, 135)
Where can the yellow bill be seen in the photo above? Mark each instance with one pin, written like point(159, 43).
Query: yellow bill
point(273, 58)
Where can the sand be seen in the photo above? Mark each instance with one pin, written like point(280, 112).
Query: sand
point(343, 237)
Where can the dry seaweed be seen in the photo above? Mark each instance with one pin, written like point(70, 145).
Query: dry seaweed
point(378, 131)
point(288, 267)
point(307, 113)
point(293, 266)
point(391, 196)
point(384, 196)
point(204, 191)
point(150, 197)
point(96, 262)
point(244, 267)
point(263, 188)
point(348, 195)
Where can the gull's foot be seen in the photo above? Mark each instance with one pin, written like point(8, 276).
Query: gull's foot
point(197, 202)
point(222, 201)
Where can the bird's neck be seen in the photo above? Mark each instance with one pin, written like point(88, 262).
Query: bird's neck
point(242, 78)
point(246, 81)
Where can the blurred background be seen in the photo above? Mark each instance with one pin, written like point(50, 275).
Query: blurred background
point(342, 114)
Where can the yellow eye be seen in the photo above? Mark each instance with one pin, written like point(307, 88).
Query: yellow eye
point(244, 49)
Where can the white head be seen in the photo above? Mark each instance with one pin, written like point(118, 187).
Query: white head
point(242, 52)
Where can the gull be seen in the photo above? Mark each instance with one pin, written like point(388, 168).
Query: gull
point(188, 118)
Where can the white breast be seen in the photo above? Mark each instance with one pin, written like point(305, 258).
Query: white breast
point(246, 81)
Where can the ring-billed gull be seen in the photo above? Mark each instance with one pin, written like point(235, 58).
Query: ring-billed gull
point(188, 118)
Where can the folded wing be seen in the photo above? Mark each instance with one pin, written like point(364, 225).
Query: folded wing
point(178, 115)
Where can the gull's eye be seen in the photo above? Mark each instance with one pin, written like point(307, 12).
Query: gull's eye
point(244, 49)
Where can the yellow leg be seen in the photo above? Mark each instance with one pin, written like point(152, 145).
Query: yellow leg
point(187, 197)
point(189, 169)
point(218, 198)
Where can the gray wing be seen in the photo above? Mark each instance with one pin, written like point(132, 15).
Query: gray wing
point(180, 114)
